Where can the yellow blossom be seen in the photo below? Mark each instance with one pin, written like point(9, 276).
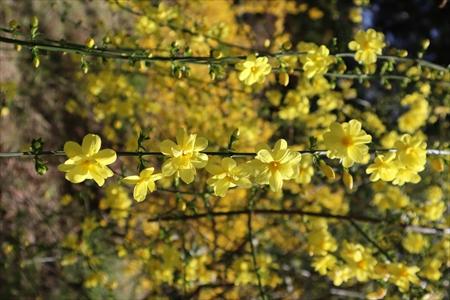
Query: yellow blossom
point(322, 264)
point(87, 161)
point(402, 275)
point(367, 45)
point(340, 274)
point(320, 241)
point(411, 152)
point(275, 165)
point(359, 260)
point(144, 181)
point(305, 169)
point(414, 242)
point(226, 174)
point(431, 268)
point(347, 141)
point(185, 156)
point(254, 70)
point(384, 167)
point(316, 61)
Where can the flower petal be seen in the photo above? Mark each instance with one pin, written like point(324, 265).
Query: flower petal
point(105, 156)
point(91, 144)
point(72, 149)
point(140, 191)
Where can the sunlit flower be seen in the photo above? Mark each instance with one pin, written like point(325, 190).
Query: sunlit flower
point(144, 181)
point(367, 44)
point(411, 152)
point(347, 141)
point(274, 166)
point(87, 161)
point(185, 156)
point(316, 61)
point(254, 70)
point(384, 167)
point(402, 275)
point(359, 260)
point(226, 174)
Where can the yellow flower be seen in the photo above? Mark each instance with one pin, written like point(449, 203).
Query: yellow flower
point(274, 166)
point(359, 260)
point(384, 168)
point(355, 15)
point(340, 274)
point(414, 242)
point(323, 264)
point(305, 169)
point(431, 268)
point(316, 61)
point(254, 70)
point(411, 152)
point(144, 181)
point(185, 156)
point(226, 174)
point(87, 161)
point(433, 210)
point(320, 241)
point(117, 200)
point(367, 45)
point(402, 275)
point(347, 141)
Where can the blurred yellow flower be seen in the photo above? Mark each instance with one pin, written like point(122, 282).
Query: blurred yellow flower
point(414, 242)
point(87, 161)
point(144, 181)
point(226, 174)
point(185, 156)
point(367, 45)
point(254, 70)
point(347, 141)
point(402, 275)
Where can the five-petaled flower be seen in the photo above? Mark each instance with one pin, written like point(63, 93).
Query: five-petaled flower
point(347, 141)
point(254, 70)
point(274, 166)
point(87, 161)
point(367, 44)
point(144, 181)
point(184, 156)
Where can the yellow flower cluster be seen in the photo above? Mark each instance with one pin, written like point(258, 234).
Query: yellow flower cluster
point(417, 114)
point(403, 165)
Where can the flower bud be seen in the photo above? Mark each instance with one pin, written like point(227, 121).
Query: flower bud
point(437, 164)
point(327, 170)
point(347, 178)
point(34, 22)
point(283, 79)
point(36, 62)
point(90, 43)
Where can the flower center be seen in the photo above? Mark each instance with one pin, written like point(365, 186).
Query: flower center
point(254, 69)
point(347, 141)
point(273, 166)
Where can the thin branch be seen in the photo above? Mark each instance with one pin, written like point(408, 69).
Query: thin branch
point(212, 153)
point(370, 240)
point(252, 247)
